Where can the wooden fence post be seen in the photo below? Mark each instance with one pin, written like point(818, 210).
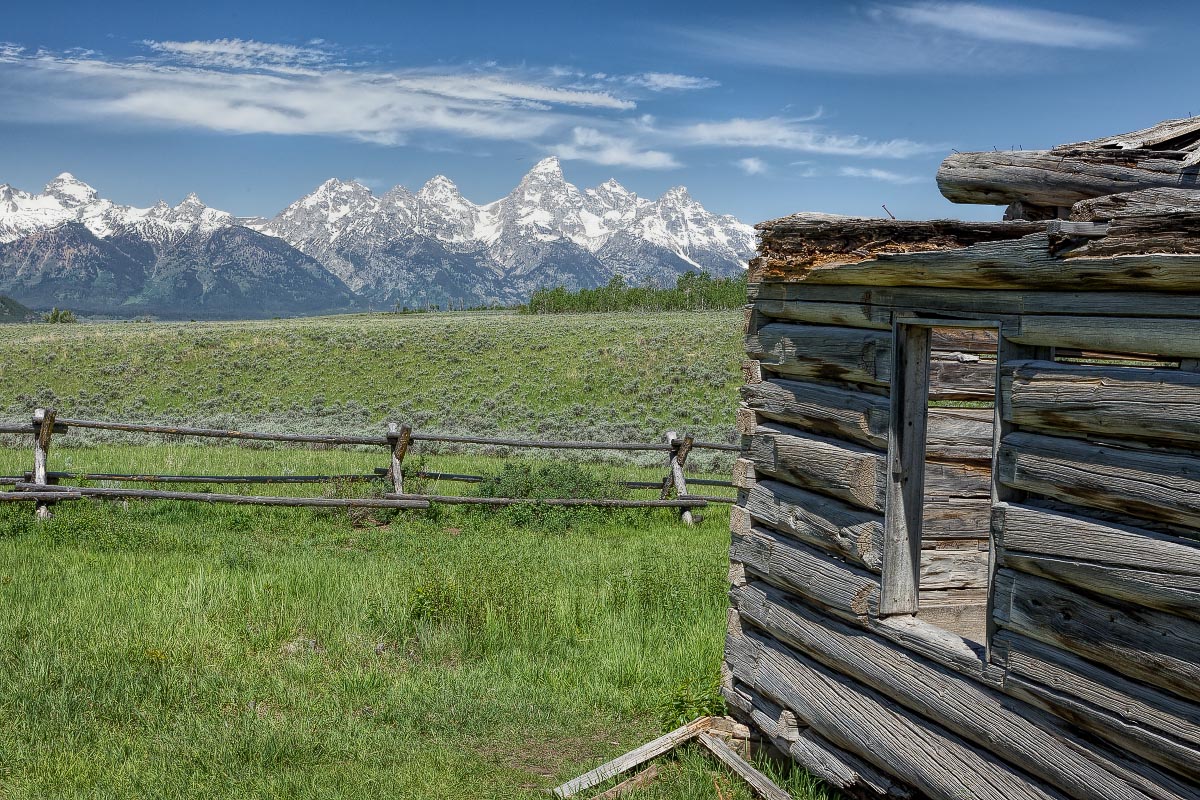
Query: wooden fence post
point(674, 479)
point(399, 440)
point(43, 424)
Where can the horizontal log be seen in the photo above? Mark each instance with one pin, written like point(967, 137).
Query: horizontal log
point(950, 518)
point(965, 568)
point(841, 469)
point(804, 241)
point(1146, 233)
point(28, 428)
point(1157, 337)
point(1040, 531)
point(1059, 177)
point(382, 441)
point(1142, 201)
point(859, 356)
point(1170, 592)
point(812, 751)
point(1156, 725)
point(820, 521)
point(566, 502)
point(849, 355)
point(226, 434)
point(232, 499)
point(879, 302)
point(1023, 736)
point(842, 589)
point(1142, 643)
point(1025, 263)
point(861, 721)
point(1151, 484)
point(862, 417)
point(1105, 401)
point(121, 477)
point(38, 496)
point(851, 472)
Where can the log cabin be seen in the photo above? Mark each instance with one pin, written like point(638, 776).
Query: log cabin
point(965, 556)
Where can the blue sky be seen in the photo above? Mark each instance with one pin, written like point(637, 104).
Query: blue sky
point(760, 111)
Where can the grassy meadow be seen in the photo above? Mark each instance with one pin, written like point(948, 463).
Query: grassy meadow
point(174, 649)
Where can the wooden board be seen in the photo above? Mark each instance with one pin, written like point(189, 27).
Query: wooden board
point(860, 357)
point(1027, 263)
point(845, 590)
point(1152, 484)
point(1021, 735)
point(854, 718)
point(1141, 643)
point(1103, 401)
point(861, 417)
point(819, 521)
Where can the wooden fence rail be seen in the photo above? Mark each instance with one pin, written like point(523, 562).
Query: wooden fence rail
point(44, 487)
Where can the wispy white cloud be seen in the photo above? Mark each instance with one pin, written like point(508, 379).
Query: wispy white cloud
point(751, 165)
point(793, 135)
point(239, 86)
point(1012, 24)
point(912, 38)
point(246, 54)
point(670, 81)
point(589, 144)
point(880, 175)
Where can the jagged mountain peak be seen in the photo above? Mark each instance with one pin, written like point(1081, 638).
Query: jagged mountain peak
point(548, 168)
point(439, 186)
point(69, 190)
point(677, 195)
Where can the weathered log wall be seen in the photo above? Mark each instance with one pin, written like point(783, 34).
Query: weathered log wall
point(1074, 569)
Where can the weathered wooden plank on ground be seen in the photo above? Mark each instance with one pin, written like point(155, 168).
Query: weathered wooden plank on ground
point(1107, 401)
point(1142, 643)
point(762, 785)
point(634, 758)
point(1155, 485)
point(1024, 736)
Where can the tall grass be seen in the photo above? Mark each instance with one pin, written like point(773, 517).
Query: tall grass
point(169, 649)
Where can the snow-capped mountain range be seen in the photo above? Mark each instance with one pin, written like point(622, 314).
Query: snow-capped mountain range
point(398, 248)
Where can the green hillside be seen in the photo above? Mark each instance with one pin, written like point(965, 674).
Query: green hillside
point(619, 376)
point(12, 311)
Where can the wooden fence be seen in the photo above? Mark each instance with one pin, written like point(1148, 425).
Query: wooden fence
point(44, 487)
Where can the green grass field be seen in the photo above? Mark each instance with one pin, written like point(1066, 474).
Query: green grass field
point(166, 649)
point(620, 377)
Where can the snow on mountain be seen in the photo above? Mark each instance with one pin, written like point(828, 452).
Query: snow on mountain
point(399, 248)
point(546, 230)
point(68, 199)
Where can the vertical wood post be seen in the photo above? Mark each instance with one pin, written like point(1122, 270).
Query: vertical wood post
point(43, 424)
point(909, 409)
point(674, 480)
point(399, 439)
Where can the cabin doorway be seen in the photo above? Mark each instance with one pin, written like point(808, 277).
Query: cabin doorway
point(937, 556)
